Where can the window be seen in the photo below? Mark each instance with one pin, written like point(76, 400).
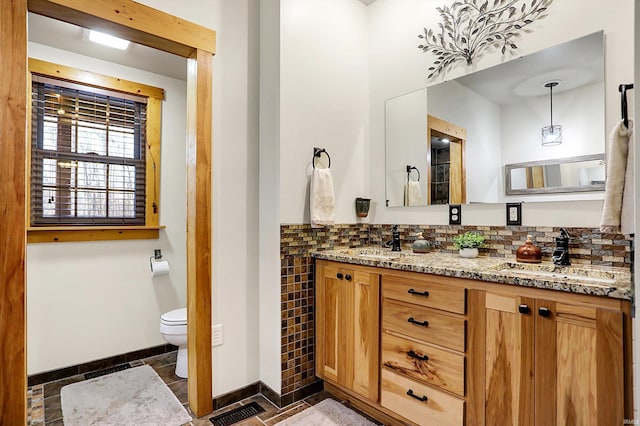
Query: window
point(93, 160)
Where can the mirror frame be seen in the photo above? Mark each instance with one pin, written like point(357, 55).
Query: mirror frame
point(555, 189)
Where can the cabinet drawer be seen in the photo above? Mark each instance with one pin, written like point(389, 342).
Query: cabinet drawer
point(426, 363)
point(427, 406)
point(424, 324)
point(425, 293)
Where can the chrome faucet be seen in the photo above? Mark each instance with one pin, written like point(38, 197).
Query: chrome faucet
point(395, 241)
point(560, 255)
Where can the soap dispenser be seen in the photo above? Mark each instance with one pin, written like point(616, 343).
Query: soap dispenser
point(528, 252)
point(420, 245)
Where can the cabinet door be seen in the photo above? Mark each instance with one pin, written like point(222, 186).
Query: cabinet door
point(579, 365)
point(331, 324)
point(509, 360)
point(366, 332)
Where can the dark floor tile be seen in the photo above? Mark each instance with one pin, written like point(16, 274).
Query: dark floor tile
point(160, 360)
point(167, 373)
point(180, 390)
point(52, 409)
point(319, 397)
point(251, 421)
point(57, 422)
point(291, 411)
point(53, 388)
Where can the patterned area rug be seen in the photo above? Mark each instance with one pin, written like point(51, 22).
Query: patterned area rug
point(136, 396)
point(326, 413)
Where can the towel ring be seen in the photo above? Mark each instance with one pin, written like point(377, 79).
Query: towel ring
point(409, 168)
point(317, 152)
point(623, 102)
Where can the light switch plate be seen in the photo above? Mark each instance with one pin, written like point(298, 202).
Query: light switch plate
point(455, 214)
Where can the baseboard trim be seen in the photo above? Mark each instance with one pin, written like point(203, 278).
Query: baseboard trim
point(112, 361)
point(264, 390)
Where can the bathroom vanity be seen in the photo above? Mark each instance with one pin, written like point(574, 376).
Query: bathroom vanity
point(438, 339)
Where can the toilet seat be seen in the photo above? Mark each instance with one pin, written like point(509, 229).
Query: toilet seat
point(176, 317)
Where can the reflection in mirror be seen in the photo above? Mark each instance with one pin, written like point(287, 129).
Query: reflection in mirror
point(574, 174)
point(503, 110)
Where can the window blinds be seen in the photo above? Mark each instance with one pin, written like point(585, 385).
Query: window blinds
point(87, 156)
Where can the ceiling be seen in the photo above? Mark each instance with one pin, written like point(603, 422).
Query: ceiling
point(62, 35)
point(575, 63)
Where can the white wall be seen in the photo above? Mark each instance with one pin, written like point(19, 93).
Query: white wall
point(92, 300)
point(235, 231)
point(323, 103)
point(397, 66)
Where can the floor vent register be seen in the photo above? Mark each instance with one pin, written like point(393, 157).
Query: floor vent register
point(237, 414)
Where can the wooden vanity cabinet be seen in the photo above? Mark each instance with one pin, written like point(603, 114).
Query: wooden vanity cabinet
point(347, 327)
point(421, 349)
point(547, 362)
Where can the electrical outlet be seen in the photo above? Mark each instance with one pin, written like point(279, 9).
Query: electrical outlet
point(455, 214)
point(217, 335)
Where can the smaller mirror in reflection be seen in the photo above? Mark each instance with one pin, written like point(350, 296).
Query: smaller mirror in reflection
point(573, 174)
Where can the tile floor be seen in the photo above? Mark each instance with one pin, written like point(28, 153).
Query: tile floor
point(44, 400)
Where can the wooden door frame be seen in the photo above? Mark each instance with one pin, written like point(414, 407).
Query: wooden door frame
point(456, 132)
point(153, 28)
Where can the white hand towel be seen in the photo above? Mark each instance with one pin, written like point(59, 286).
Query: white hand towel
point(618, 192)
point(412, 193)
point(322, 202)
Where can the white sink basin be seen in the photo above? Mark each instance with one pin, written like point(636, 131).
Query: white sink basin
point(559, 276)
point(558, 273)
point(375, 254)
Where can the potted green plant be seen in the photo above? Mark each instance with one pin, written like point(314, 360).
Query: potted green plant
point(468, 243)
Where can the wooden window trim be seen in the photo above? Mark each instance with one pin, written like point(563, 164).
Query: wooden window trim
point(154, 95)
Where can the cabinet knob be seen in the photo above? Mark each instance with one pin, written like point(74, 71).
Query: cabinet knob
point(339, 275)
point(524, 309)
point(422, 323)
point(347, 277)
point(544, 312)
point(422, 398)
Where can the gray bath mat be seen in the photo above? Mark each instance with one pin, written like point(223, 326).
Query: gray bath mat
point(326, 413)
point(136, 396)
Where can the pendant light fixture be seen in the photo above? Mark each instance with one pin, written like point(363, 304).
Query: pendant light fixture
point(551, 134)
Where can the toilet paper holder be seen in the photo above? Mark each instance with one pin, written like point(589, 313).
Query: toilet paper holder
point(157, 255)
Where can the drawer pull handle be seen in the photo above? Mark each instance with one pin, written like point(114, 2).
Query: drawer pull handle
point(348, 277)
point(423, 323)
point(422, 398)
point(418, 293)
point(339, 275)
point(412, 354)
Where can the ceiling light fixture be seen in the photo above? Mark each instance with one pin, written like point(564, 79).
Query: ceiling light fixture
point(108, 40)
point(551, 134)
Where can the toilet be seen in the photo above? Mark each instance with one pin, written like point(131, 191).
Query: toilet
point(173, 327)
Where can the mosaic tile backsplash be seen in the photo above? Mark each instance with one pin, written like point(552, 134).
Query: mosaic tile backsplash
point(587, 246)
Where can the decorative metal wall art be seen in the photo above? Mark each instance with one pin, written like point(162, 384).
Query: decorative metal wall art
point(469, 27)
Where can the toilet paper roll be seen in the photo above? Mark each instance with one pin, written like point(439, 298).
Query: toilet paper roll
point(159, 267)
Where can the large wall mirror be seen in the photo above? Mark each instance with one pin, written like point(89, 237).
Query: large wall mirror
point(496, 116)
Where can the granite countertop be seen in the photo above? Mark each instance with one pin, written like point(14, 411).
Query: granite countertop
point(594, 280)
